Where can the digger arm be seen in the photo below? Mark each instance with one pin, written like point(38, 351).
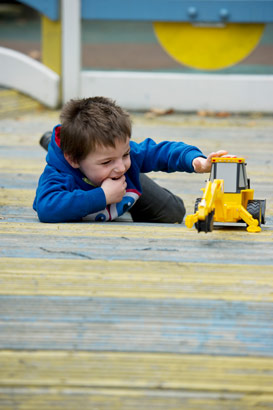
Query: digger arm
point(253, 224)
point(206, 206)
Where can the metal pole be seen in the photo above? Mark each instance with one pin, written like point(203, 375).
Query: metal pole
point(71, 48)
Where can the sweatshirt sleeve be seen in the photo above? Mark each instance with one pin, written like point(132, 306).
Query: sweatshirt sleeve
point(166, 156)
point(58, 200)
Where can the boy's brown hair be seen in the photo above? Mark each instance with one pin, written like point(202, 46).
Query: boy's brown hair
point(90, 122)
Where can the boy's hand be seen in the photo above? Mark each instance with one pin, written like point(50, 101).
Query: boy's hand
point(114, 189)
point(201, 164)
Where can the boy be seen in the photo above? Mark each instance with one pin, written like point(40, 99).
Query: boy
point(93, 169)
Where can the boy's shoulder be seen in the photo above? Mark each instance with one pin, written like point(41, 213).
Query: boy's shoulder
point(51, 173)
point(144, 144)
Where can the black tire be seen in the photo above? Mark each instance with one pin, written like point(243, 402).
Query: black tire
point(254, 207)
point(206, 225)
point(263, 206)
point(197, 202)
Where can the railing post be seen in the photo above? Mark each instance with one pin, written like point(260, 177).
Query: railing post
point(71, 48)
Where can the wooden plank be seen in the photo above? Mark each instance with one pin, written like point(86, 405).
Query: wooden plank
point(185, 326)
point(26, 166)
point(16, 197)
point(11, 214)
point(134, 242)
point(14, 103)
point(57, 398)
point(145, 279)
point(16, 181)
point(136, 230)
point(136, 370)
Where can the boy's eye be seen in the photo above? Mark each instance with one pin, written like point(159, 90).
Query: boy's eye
point(127, 154)
point(106, 162)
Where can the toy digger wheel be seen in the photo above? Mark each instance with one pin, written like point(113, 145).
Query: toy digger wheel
point(197, 202)
point(254, 207)
point(206, 225)
point(263, 205)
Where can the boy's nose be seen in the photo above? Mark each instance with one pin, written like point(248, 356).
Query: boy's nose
point(120, 167)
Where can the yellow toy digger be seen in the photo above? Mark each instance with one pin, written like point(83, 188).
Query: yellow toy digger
point(227, 198)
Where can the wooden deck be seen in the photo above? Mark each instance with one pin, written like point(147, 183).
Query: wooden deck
point(124, 316)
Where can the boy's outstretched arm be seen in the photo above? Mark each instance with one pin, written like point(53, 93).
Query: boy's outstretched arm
point(201, 164)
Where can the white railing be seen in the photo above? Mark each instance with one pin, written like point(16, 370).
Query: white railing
point(29, 76)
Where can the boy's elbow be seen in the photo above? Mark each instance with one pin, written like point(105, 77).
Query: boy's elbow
point(47, 215)
point(50, 213)
point(45, 219)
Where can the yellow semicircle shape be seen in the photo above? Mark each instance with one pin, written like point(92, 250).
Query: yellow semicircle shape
point(208, 47)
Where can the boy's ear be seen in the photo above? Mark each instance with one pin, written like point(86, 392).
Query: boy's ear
point(74, 164)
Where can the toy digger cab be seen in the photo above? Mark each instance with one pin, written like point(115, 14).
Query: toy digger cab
point(227, 198)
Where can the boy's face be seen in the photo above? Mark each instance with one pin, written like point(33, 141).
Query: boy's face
point(106, 162)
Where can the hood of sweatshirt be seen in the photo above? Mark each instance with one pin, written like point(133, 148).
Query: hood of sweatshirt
point(56, 159)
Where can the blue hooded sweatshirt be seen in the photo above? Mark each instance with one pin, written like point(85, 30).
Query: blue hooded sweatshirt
point(64, 194)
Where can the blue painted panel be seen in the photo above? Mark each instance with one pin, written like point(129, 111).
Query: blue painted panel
point(180, 10)
point(259, 11)
point(49, 8)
